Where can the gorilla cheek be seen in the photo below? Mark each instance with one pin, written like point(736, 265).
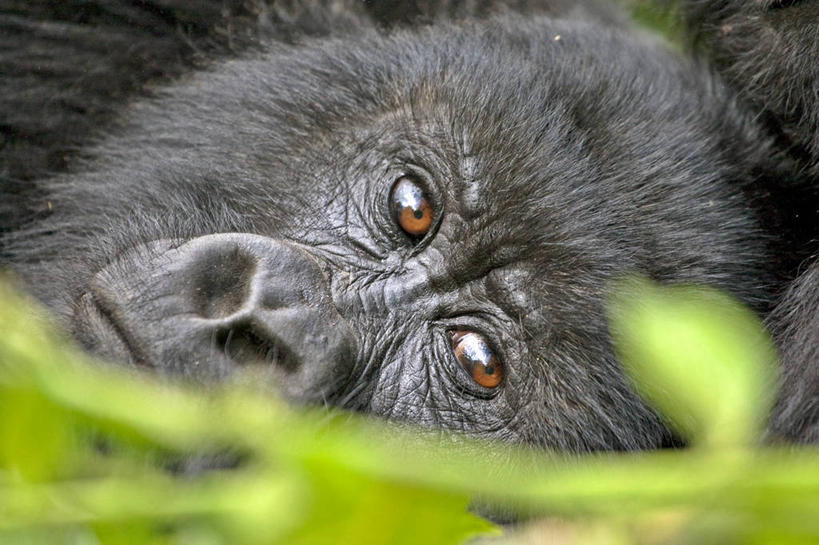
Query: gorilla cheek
point(219, 303)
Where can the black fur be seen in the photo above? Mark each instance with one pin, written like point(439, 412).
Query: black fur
point(767, 50)
point(560, 148)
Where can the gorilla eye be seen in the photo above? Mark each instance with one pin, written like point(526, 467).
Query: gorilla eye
point(473, 353)
point(410, 207)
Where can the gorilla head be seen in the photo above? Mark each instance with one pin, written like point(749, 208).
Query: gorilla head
point(420, 224)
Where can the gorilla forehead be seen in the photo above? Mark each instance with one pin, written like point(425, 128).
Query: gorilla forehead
point(505, 123)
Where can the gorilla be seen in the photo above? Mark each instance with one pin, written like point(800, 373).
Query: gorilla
point(411, 209)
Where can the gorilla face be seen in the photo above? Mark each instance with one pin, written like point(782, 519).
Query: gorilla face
point(422, 226)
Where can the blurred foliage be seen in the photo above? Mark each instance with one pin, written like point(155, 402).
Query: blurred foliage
point(680, 344)
point(93, 454)
point(662, 17)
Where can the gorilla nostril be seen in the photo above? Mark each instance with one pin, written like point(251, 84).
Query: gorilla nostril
point(232, 302)
point(247, 347)
point(222, 283)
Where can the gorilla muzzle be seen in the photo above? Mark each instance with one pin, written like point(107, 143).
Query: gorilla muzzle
point(217, 303)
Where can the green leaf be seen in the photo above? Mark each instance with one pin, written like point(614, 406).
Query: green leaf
point(356, 509)
point(34, 441)
point(697, 355)
point(313, 477)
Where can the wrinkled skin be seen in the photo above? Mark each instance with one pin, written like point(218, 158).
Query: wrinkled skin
point(239, 221)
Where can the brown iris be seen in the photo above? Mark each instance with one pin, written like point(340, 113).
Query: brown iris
point(410, 207)
point(474, 354)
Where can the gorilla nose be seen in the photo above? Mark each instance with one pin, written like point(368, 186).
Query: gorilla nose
point(218, 303)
